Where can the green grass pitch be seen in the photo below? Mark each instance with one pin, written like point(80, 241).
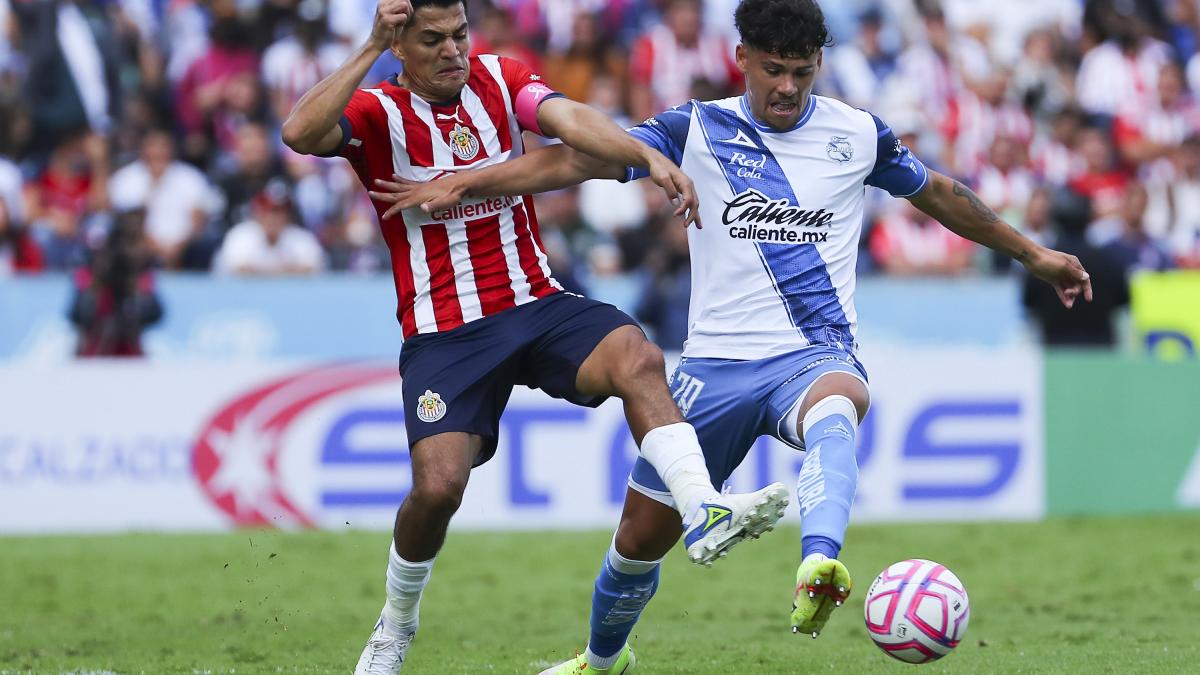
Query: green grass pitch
point(1066, 596)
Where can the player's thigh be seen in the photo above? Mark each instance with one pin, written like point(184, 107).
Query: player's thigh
point(806, 378)
point(457, 386)
point(648, 529)
point(580, 341)
point(725, 405)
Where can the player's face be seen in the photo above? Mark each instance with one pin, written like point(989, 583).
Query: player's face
point(777, 87)
point(434, 47)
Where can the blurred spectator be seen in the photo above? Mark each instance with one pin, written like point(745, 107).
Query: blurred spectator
point(589, 57)
point(19, 253)
point(669, 57)
point(977, 117)
point(1055, 155)
point(907, 242)
point(495, 34)
point(1038, 81)
point(1134, 247)
point(247, 171)
point(1124, 69)
point(114, 295)
point(70, 190)
point(1173, 213)
point(1088, 324)
point(1006, 183)
point(666, 292)
point(1101, 181)
point(217, 81)
point(68, 45)
point(297, 62)
point(1147, 135)
point(858, 69)
point(270, 243)
point(176, 198)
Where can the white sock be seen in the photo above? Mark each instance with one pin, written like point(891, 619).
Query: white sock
point(602, 662)
point(674, 451)
point(405, 582)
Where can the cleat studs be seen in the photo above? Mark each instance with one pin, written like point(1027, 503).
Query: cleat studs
point(811, 594)
point(837, 603)
point(815, 635)
point(817, 581)
point(795, 629)
point(722, 554)
point(842, 589)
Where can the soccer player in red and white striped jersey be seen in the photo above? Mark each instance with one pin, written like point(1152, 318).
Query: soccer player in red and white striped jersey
point(478, 304)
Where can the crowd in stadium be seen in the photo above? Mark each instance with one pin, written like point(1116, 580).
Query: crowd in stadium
point(168, 112)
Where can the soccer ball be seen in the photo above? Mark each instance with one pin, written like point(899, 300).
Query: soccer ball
point(917, 611)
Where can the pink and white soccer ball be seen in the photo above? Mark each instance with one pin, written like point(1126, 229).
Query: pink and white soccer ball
point(917, 611)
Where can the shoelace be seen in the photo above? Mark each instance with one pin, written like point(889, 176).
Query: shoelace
point(379, 646)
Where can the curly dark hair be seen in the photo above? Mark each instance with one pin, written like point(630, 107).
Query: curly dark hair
point(788, 28)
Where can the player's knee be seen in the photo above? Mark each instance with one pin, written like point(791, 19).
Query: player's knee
point(644, 360)
point(641, 543)
point(441, 496)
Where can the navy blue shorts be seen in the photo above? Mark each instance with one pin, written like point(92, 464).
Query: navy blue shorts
point(460, 380)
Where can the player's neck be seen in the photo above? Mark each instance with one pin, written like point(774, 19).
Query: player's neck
point(431, 98)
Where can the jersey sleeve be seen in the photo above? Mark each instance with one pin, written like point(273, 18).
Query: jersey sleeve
point(896, 169)
point(667, 133)
point(527, 90)
point(362, 120)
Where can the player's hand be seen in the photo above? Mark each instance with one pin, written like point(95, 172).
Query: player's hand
point(390, 16)
point(679, 188)
point(403, 193)
point(1064, 272)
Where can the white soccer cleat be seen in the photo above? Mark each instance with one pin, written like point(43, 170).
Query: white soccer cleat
point(722, 522)
point(384, 653)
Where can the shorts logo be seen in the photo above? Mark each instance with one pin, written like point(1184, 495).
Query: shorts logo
point(431, 407)
point(463, 143)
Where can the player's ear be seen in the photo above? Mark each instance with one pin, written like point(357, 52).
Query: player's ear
point(739, 55)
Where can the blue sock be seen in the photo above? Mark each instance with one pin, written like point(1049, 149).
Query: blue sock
point(622, 590)
point(829, 475)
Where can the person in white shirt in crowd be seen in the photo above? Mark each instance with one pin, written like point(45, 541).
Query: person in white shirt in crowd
point(270, 243)
point(177, 199)
point(1173, 211)
point(294, 64)
point(670, 56)
point(1122, 70)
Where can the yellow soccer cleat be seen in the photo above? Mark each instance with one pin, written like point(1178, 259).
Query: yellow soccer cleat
point(822, 584)
point(625, 664)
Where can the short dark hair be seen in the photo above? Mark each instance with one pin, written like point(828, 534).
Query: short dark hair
point(788, 28)
point(418, 4)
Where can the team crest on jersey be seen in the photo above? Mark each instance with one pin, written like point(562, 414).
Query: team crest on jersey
point(430, 407)
point(839, 149)
point(463, 143)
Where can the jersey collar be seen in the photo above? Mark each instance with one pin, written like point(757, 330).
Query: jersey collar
point(804, 116)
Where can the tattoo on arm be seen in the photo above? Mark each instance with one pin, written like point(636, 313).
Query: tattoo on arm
point(989, 216)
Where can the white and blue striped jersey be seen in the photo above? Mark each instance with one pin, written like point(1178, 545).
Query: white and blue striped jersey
point(773, 269)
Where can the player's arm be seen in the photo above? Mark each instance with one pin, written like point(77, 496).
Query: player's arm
point(542, 170)
point(314, 126)
point(962, 212)
point(590, 131)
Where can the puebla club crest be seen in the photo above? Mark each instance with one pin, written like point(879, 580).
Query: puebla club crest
point(463, 143)
point(839, 149)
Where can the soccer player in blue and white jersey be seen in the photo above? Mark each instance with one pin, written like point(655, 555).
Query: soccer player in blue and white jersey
point(781, 176)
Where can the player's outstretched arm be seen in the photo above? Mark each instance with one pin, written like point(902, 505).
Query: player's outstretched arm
point(590, 131)
point(545, 169)
point(312, 128)
point(955, 206)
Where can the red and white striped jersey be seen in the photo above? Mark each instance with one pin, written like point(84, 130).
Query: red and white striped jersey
point(481, 256)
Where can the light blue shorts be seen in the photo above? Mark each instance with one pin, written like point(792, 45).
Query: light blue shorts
point(732, 403)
